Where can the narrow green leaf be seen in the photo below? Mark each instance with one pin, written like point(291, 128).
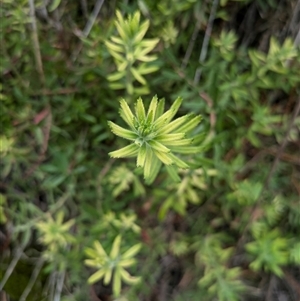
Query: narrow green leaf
point(149, 43)
point(125, 263)
point(186, 149)
point(178, 161)
point(181, 142)
point(169, 127)
point(126, 277)
point(145, 69)
point(137, 76)
point(132, 251)
point(149, 58)
point(189, 125)
point(99, 248)
point(116, 76)
point(143, 29)
point(168, 115)
point(141, 156)
point(116, 55)
point(115, 247)
point(140, 110)
point(148, 163)
point(165, 138)
point(54, 5)
point(114, 47)
point(172, 171)
point(158, 146)
point(116, 86)
point(156, 165)
point(160, 108)
point(121, 132)
point(117, 40)
point(126, 113)
point(127, 151)
point(92, 263)
point(164, 157)
point(152, 108)
point(117, 282)
point(96, 276)
point(107, 276)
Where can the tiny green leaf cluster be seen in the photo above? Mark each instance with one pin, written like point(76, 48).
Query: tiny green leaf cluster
point(154, 136)
point(55, 234)
point(111, 267)
point(128, 49)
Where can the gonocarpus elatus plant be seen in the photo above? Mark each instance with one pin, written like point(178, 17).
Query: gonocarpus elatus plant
point(155, 137)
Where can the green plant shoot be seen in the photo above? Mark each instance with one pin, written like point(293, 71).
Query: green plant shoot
point(155, 138)
point(111, 267)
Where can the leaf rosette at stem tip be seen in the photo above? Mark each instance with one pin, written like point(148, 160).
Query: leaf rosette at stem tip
point(155, 137)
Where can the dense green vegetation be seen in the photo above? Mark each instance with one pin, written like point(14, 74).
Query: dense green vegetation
point(200, 201)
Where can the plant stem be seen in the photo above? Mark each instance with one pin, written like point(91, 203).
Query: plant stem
point(208, 31)
point(36, 44)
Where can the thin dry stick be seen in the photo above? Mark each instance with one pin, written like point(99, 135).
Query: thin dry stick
point(36, 44)
point(191, 45)
point(32, 280)
point(204, 48)
point(59, 286)
point(12, 265)
point(89, 26)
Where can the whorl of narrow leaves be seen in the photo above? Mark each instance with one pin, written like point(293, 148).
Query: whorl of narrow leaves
point(154, 136)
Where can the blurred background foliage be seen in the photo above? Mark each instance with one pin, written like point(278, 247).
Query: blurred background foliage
point(229, 230)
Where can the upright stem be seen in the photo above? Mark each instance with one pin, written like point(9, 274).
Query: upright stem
point(36, 44)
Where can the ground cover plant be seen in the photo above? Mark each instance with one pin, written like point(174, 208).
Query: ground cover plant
point(150, 150)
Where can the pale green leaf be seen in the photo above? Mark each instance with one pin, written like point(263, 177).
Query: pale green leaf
point(132, 251)
point(96, 276)
point(121, 132)
point(158, 146)
point(178, 161)
point(117, 56)
point(147, 69)
point(137, 76)
point(152, 108)
point(148, 163)
point(156, 165)
point(116, 76)
point(117, 40)
point(127, 278)
point(140, 110)
point(164, 157)
point(126, 113)
point(142, 31)
point(165, 138)
point(127, 151)
point(181, 142)
point(186, 149)
point(117, 282)
point(146, 58)
point(125, 263)
point(116, 86)
point(114, 47)
point(160, 108)
point(169, 127)
point(141, 156)
point(107, 276)
point(115, 247)
point(168, 115)
point(99, 248)
point(189, 125)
